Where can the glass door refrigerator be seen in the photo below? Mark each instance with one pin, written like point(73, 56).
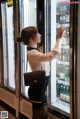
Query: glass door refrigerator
point(8, 45)
point(58, 13)
point(27, 12)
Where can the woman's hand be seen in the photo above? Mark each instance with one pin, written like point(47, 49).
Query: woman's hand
point(60, 32)
point(40, 49)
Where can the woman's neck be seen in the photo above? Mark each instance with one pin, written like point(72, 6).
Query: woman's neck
point(31, 44)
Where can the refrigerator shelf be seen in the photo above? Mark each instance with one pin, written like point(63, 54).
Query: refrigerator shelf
point(61, 105)
point(63, 81)
point(63, 62)
point(65, 46)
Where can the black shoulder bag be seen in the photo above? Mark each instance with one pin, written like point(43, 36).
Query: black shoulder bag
point(35, 77)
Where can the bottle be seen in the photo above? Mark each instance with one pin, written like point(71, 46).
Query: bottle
point(61, 8)
point(67, 18)
point(58, 88)
point(64, 18)
point(64, 92)
point(68, 55)
point(62, 54)
point(61, 91)
point(57, 70)
point(61, 18)
point(64, 8)
point(67, 41)
point(67, 93)
point(67, 73)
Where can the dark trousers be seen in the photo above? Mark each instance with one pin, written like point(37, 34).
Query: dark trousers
point(40, 113)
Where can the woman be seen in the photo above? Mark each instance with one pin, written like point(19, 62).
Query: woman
point(30, 37)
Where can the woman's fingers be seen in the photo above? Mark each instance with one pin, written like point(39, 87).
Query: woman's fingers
point(60, 31)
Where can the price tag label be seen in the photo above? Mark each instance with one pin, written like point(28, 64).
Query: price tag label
point(9, 3)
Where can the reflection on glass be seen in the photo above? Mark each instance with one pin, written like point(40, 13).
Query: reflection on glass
point(8, 46)
point(27, 18)
point(59, 88)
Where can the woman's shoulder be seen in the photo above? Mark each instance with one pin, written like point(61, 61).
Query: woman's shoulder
point(31, 52)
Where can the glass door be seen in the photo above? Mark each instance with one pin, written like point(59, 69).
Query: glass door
point(8, 45)
point(58, 13)
point(0, 53)
point(28, 17)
